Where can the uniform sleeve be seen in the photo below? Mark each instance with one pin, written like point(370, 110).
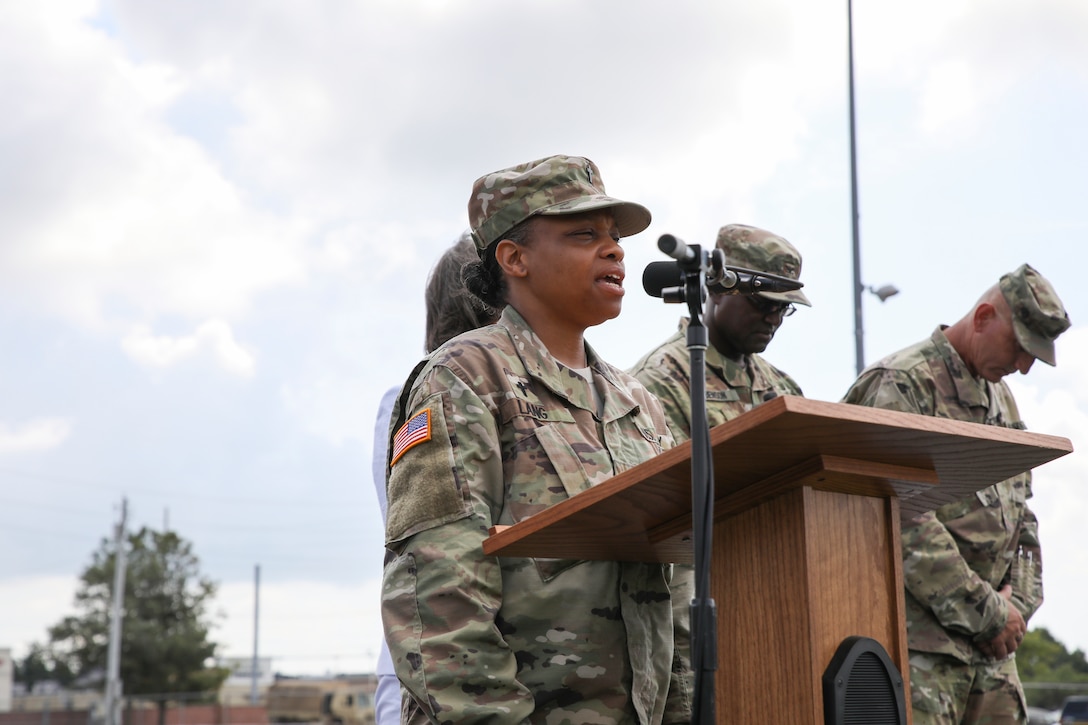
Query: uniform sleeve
point(678, 702)
point(779, 382)
point(791, 386)
point(934, 571)
point(890, 390)
point(1026, 572)
point(671, 385)
point(440, 593)
point(937, 576)
point(1027, 569)
point(678, 706)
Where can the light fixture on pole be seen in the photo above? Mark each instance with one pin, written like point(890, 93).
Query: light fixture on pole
point(883, 292)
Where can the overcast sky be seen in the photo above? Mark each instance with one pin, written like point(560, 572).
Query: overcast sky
point(219, 217)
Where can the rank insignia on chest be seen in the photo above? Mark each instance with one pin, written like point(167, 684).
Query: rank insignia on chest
point(417, 430)
point(517, 382)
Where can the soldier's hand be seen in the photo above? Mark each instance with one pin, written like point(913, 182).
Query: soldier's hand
point(1009, 639)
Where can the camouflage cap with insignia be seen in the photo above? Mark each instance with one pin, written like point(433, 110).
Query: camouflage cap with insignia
point(554, 185)
point(1038, 316)
point(761, 251)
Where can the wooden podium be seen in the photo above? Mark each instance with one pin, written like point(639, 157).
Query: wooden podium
point(806, 547)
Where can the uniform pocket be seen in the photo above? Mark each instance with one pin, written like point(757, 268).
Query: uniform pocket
point(988, 496)
point(547, 472)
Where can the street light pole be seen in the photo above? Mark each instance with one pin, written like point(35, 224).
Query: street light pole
point(859, 347)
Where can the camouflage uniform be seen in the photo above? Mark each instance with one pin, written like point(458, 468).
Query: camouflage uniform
point(731, 389)
point(514, 640)
point(957, 558)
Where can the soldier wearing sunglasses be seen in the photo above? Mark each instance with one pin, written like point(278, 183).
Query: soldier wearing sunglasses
point(739, 327)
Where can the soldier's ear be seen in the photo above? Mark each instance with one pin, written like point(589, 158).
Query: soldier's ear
point(510, 256)
point(984, 314)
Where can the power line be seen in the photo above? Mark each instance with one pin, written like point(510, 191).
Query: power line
point(44, 506)
point(174, 493)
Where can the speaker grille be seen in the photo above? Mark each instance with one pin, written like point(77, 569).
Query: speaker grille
point(870, 699)
point(862, 686)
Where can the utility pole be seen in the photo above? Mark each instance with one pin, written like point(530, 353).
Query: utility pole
point(253, 698)
point(113, 654)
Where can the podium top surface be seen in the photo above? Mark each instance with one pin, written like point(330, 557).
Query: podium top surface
point(644, 513)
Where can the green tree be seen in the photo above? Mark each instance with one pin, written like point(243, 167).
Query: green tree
point(1049, 672)
point(165, 647)
point(39, 665)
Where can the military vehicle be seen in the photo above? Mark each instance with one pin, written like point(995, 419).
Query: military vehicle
point(337, 701)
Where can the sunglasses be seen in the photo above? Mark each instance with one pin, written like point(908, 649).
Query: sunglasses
point(767, 307)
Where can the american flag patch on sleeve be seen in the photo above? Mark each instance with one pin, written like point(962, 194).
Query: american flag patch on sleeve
point(417, 430)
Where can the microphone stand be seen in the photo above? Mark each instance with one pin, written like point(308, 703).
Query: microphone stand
point(704, 622)
point(695, 272)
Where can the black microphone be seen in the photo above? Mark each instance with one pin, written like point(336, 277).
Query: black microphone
point(659, 276)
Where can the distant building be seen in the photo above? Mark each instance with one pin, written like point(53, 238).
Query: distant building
point(237, 689)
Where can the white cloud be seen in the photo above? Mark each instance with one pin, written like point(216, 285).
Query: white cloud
point(214, 338)
point(32, 604)
point(115, 215)
point(41, 434)
point(959, 59)
point(948, 95)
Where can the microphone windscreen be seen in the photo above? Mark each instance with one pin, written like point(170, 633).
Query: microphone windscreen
point(659, 276)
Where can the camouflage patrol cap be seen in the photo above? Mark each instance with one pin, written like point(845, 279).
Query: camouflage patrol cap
point(1038, 316)
point(761, 251)
point(554, 185)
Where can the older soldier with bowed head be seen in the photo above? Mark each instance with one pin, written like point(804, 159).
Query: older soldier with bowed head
point(498, 425)
point(972, 568)
point(737, 378)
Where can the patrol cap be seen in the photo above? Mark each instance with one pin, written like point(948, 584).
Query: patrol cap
point(761, 251)
point(1038, 316)
point(550, 186)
